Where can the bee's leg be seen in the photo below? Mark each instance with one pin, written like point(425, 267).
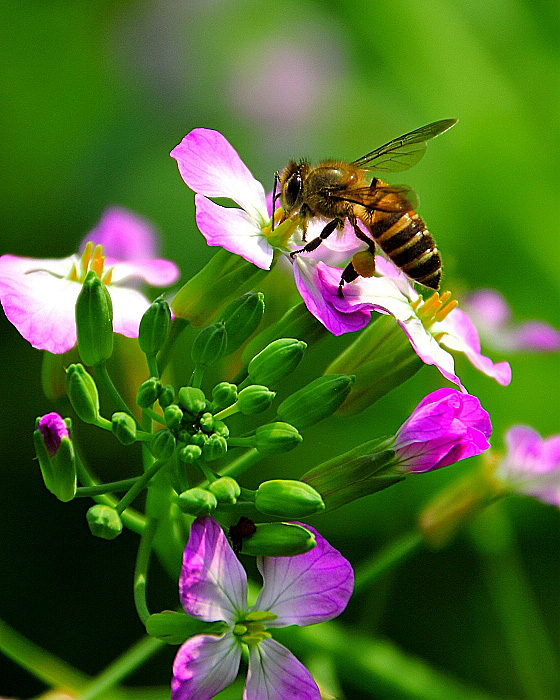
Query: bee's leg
point(316, 242)
point(349, 274)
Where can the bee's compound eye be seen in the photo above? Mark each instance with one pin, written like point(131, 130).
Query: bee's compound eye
point(293, 190)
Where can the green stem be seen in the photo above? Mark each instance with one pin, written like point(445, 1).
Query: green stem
point(177, 327)
point(370, 570)
point(229, 411)
point(131, 518)
point(241, 442)
point(153, 416)
point(153, 368)
point(530, 646)
point(111, 487)
point(197, 376)
point(122, 667)
point(103, 378)
point(242, 464)
point(42, 664)
point(141, 569)
point(127, 499)
point(208, 473)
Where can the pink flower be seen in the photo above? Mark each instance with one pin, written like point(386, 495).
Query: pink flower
point(531, 464)
point(301, 590)
point(431, 325)
point(492, 316)
point(446, 427)
point(39, 296)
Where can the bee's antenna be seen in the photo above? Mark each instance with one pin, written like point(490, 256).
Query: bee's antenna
point(275, 195)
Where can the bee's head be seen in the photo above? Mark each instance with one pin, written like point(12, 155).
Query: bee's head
point(291, 185)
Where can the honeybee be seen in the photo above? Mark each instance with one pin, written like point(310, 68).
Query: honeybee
point(339, 191)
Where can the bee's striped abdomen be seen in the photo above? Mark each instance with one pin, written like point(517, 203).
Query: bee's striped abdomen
point(409, 244)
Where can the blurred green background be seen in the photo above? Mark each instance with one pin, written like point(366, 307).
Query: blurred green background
point(95, 96)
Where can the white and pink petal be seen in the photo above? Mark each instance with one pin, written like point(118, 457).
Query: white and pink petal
point(123, 235)
point(307, 589)
point(276, 674)
point(204, 666)
point(157, 273)
point(212, 584)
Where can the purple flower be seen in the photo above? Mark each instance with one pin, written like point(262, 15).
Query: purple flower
point(444, 428)
point(492, 316)
point(53, 428)
point(302, 590)
point(431, 325)
point(39, 296)
point(531, 464)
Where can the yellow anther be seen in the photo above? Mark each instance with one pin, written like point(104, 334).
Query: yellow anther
point(108, 276)
point(445, 297)
point(86, 256)
point(415, 304)
point(98, 261)
point(438, 336)
point(430, 307)
point(73, 276)
point(446, 310)
point(260, 616)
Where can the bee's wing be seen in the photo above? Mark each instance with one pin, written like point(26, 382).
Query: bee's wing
point(404, 152)
point(387, 198)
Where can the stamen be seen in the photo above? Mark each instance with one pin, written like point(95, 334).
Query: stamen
point(430, 307)
point(446, 310)
point(86, 257)
point(108, 276)
point(73, 276)
point(98, 260)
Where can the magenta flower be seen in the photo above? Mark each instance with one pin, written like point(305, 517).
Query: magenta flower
point(39, 296)
point(492, 316)
point(301, 590)
point(432, 326)
point(444, 428)
point(531, 464)
point(53, 428)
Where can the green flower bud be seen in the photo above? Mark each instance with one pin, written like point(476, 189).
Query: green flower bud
point(104, 522)
point(162, 444)
point(173, 416)
point(376, 373)
point(287, 498)
point(297, 322)
point(55, 454)
point(318, 400)
point(209, 345)
point(241, 318)
point(167, 396)
point(278, 540)
point(82, 392)
point(225, 489)
point(199, 439)
point(154, 327)
point(274, 438)
point(192, 400)
point(221, 429)
point(254, 399)
point(197, 502)
point(169, 626)
point(148, 392)
point(123, 427)
point(220, 280)
point(94, 321)
point(365, 469)
point(276, 361)
point(214, 448)
point(190, 453)
point(224, 394)
point(207, 422)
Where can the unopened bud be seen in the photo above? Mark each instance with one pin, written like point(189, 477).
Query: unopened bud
point(154, 327)
point(82, 392)
point(275, 438)
point(192, 400)
point(206, 422)
point(199, 439)
point(55, 454)
point(167, 396)
point(241, 318)
point(287, 498)
point(224, 394)
point(209, 345)
point(148, 393)
point(123, 427)
point(170, 626)
point(221, 429)
point(254, 399)
point(173, 416)
point(162, 444)
point(278, 540)
point(190, 453)
point(214, 448)
point(276, 361)
point(94, 321)
point(104, 522)
point(225, 489)
point(318, 400)
point(197, 502)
